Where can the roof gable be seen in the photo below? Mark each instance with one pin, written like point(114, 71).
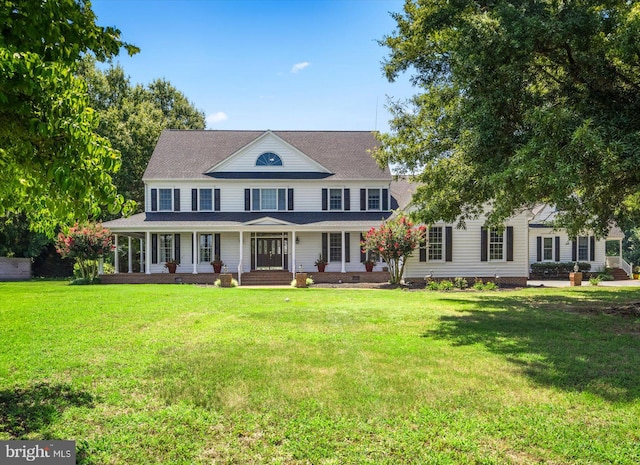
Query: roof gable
point(289, 157)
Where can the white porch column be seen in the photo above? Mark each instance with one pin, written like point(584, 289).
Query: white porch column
point(147, 248)
point(116, 262)
point(344, 268)
point(101, 266)
point(141, 256)
point(130, 257)
point(241, 259)
point(194, 250)
point(293, 253)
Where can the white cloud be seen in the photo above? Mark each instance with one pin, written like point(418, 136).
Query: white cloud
point(216, 118)
point(299, 66)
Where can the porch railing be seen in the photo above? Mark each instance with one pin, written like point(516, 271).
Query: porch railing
point(619, 262)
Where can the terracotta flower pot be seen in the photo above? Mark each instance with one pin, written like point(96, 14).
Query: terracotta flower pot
point(172, 267)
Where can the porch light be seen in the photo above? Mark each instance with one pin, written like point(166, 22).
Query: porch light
point(297, 240)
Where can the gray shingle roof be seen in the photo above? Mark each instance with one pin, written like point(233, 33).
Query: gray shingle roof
point(188, 154)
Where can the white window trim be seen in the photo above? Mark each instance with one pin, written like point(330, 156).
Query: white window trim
point(588, 249)
point(200, 209)
point(341, 199)
point(172, 254)
point(277, 189)
point(160, 209)
point(444, 243)
point(379, 189)
point(504, 246)
point(553, 249)
point(200, 248)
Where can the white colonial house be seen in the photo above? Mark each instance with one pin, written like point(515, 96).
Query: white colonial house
point(269, 203)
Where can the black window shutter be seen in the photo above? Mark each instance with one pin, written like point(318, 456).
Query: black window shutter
point(363, 199)
point(592, 248)
point(325, 200)
point(154, 248)
point(216, 200)
point(247, 200)
point(385, 199)
point(539, 248)
point(347, 199)
point(423, 250)
point(483, 244)
point(154, 200)
point(448, 237)
point(347, 247)
point(557, 248)
point(325, 246)
point(574, 251)
point(194, 200)
point(216, 245)
point(256, 200)
point(290, 199)
point(177, 247)
point(176, 200)
point(363, 255)
point(509, 243)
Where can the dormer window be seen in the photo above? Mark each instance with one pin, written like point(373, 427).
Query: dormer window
point(268, 159)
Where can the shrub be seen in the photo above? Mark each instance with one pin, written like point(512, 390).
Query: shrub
point(555, 268)
point(490, 286)
point(432, 285)
point(445, 285)
point(594, 280)
point(86, 244)
point(460, 283)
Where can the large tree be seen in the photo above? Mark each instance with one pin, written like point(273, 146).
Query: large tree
point(519, 102)
point(54, 166)
point(132, 118)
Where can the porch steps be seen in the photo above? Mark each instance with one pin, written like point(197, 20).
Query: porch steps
point(267, 278)
point(619, 274)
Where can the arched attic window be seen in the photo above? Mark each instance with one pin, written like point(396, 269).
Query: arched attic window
point(268, 159)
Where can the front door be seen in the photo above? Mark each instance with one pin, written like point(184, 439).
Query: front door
point(269, 253)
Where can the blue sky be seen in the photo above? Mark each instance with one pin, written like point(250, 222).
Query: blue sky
point(265, 64)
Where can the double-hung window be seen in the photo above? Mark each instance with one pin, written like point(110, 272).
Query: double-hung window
point(496, 244)
point(435, 243)
point(547, 248)
point(206, 248)
point(583, 248)
point(206, 200)
point(373, 199)
point(165, 248)
point(165, 199)
point(335, 247)
point(335, 199)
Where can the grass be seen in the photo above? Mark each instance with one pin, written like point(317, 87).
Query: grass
point(193, 375)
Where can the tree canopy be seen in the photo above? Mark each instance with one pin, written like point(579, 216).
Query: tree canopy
point(519, 102)
point(132, 118)
point(55, 168)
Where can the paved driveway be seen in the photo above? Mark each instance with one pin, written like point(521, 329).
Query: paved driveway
point(565, 283)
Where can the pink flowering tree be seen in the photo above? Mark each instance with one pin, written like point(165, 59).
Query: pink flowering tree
point(86, 244)
point(395, 240)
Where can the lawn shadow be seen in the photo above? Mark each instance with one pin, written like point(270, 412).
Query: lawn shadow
point(570, 342)
point(32, 409)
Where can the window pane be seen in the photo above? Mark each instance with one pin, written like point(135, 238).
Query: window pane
point(206, 244)
point(206, 199)
point(374, 199)
point(583, 248)
point(268, 199)
point(435, 243)
point(335, 199)
point(282, 199)
point(165, 247)
point(496, 242)
point(335, 247)
point(547, 248)
point(165, 199)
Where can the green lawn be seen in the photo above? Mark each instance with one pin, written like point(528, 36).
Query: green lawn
point(193, 375)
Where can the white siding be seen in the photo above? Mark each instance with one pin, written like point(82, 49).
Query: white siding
point(565, 247)
point(466, 255)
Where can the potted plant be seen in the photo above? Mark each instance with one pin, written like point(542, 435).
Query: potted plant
point(217, 264)
point(369, 264)
point(321, 263)
point(171, 265)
